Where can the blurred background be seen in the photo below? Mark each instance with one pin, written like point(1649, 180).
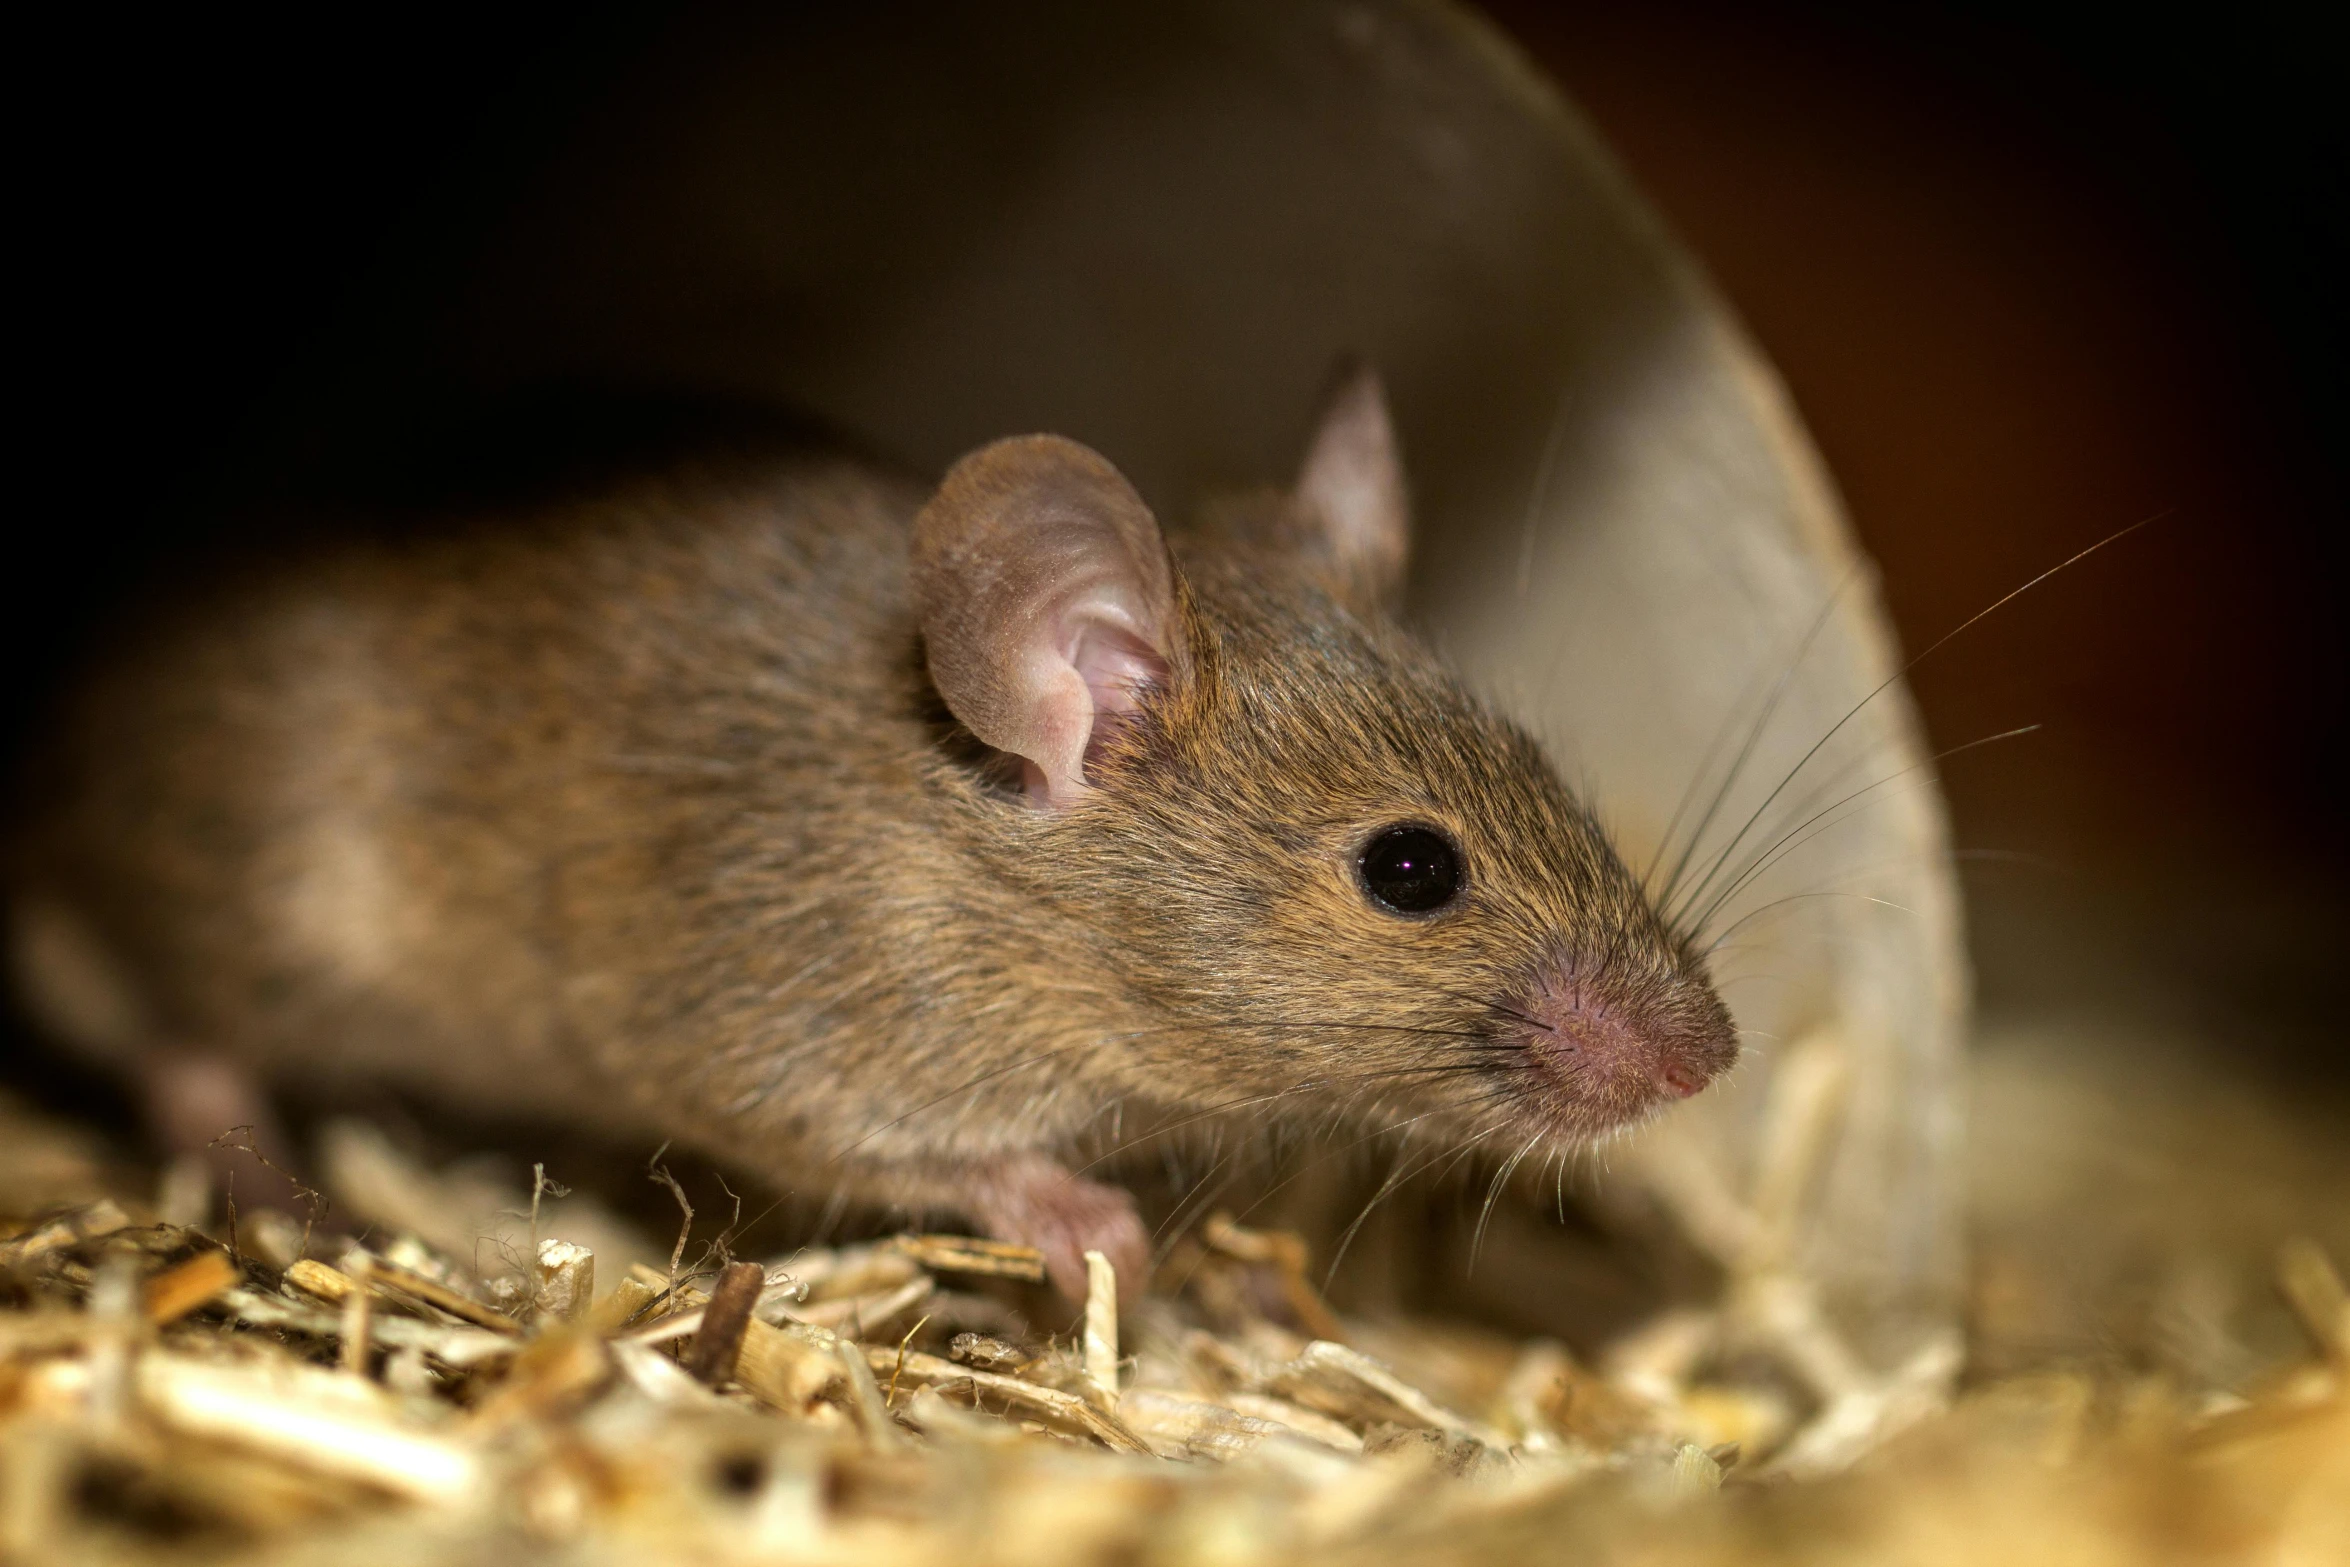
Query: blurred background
point(2030, 278)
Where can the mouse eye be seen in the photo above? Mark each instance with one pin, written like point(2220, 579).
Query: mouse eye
point(1411, 870)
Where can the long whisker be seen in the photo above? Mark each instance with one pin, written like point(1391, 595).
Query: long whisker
point(1310, 1085)
point(1288, 1026)
point(1396, 1176)
point(1552, 439)
point(1763, 861)
point(1873, 867)
point(1346, 1237)
point(1375, 1134)
point(1833, 779)
point(1745, 751)
point(1491, 1006)
point(1798, 897)
point(1493, 1191)
point(1174, 1028)
point(1830, 825)
point(1891, 680)
point(1198, 1198)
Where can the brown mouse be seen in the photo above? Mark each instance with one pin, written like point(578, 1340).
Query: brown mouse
point(911, 844)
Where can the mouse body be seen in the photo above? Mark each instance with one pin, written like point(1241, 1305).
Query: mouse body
point(899, 840)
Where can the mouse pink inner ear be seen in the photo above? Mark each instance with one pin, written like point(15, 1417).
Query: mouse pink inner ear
point(1351, 489)
point(1047, 603)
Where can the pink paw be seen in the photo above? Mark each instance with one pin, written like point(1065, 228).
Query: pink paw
point(1031, 1199)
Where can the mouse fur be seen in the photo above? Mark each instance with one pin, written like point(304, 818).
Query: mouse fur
point(876, 836)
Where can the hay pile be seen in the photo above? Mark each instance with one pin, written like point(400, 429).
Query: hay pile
point(174, 1393)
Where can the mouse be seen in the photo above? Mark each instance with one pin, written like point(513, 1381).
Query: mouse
point(922, 842)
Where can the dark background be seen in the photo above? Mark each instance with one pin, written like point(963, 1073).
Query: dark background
point(2032, 277)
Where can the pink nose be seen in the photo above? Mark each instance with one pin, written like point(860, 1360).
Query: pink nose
point(1618, 1041)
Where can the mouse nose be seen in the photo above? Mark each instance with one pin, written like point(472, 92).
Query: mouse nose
point(1620, 1039)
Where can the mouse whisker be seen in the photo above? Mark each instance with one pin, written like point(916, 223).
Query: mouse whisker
point(1376, 1133)
point(1803, 897)
point(1894, 679)
point(1836, 777)
point(1195, 1202)
point(1493, 1191)
point(1397, 1174)
point(1509, 1012)
point(1215, 1112)
point(1306, 1024)
point(1769, 856)
point(1754, 733)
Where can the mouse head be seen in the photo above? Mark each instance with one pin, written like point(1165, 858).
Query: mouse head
point(1282, 833)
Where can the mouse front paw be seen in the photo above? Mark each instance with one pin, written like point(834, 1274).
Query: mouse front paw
point(1033, 1200)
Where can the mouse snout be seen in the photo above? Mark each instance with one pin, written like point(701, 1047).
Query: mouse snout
point(1618, 1043)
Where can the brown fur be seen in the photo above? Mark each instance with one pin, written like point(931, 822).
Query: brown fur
point(643, 811)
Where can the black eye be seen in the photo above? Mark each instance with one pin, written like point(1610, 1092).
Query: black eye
point(1411, 870)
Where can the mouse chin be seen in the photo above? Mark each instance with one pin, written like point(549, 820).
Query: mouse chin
point(1611, 1044)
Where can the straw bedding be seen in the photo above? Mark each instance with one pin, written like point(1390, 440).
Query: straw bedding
point(208, 1391)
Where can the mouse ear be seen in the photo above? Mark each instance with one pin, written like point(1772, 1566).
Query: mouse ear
point(1351, 488)
point(1047, 602)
